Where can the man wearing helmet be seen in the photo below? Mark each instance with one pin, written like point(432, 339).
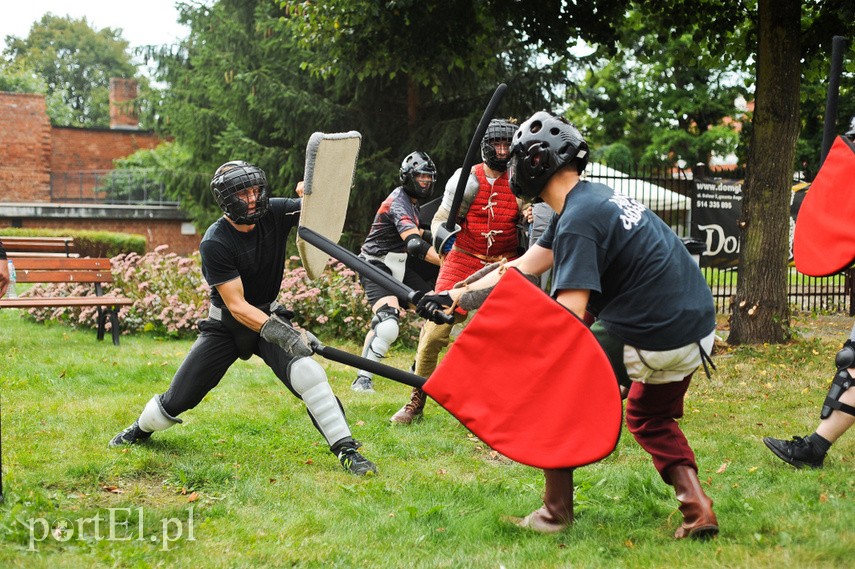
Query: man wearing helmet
point(488, 218)
point(394, 237)
point(243, 258)
point(615, 259)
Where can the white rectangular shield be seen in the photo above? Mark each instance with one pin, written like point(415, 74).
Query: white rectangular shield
point(330, 168)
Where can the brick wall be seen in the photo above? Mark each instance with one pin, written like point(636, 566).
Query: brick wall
point(76, 149)
point(30, 150)
point(25, 142)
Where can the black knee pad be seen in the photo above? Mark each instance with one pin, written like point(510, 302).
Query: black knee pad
point(842, 381)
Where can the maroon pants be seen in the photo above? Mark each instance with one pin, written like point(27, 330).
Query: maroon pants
point(651, 416)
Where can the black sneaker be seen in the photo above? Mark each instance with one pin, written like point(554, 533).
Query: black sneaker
point(355, 463)
point(129, 436)
point(799, 452)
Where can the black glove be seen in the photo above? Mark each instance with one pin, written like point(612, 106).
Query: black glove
point(431, 306)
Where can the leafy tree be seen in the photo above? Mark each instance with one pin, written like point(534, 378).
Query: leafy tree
point(786, 40)
point(642, 91)
point(254, 80)
point(75, 62)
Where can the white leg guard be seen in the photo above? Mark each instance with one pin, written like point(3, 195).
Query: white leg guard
point(153, 418)
point(383, 334)
point(309, 379)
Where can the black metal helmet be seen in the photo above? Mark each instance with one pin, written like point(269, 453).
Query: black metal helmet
point(498, 130)
point(230, 180)
point(544, 144)
point(417, 162)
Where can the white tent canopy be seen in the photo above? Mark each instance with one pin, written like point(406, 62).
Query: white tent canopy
point(653, 196)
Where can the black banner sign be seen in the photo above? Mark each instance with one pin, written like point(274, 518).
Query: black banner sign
point(716, 209)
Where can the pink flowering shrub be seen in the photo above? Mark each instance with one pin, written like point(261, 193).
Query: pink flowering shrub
point(334, 306)
point(170, 296)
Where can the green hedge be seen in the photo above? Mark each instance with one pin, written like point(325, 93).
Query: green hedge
point(89, 243)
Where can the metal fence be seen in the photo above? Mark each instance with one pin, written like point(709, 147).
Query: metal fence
point(805, 294)
point(140, 186)
point(669, 194)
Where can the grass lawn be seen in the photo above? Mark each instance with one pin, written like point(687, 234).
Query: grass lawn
point(246, 481)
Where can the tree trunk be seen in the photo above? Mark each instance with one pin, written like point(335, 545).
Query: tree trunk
point(761, 312)
point(413, 103)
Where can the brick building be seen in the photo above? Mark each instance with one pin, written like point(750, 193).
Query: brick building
point(51, 177)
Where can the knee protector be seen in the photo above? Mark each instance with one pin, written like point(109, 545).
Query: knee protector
point(384, 327)
point(842, 381)
point(309, 380)
point(154, 418)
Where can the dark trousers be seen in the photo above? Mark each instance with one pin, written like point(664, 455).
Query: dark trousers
point(651, 416)
point(211, 355)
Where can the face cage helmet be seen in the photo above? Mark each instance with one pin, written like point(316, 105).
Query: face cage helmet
point(543, 144)
point(417, 162)
point(232, 178)
point(497, 130)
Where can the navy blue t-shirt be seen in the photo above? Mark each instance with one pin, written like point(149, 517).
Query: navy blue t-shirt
point(645, 287)
point(257, 257)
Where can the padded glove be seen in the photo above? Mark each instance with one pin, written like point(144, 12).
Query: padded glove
point(295, 343)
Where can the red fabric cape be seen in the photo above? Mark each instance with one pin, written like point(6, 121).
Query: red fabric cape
point(824, 240)
point(530, 380)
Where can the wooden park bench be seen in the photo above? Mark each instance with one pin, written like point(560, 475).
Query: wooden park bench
point(38, 246)
point(70, 270)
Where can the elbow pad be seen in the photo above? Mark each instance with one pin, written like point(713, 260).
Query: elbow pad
point(417, 247)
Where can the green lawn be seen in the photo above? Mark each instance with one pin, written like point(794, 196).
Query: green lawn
point(246, 481)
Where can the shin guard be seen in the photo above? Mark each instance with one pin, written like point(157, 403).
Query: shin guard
point(384, 332)
point(309, 380)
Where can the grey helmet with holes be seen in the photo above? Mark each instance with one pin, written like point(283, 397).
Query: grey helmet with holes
point(542, 145)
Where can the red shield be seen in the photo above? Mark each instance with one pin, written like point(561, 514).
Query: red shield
point(530, 380)
point(824, 241)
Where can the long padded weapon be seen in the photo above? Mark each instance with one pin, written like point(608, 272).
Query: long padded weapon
point(365, 269)
point(474, 145)
point(829, 132)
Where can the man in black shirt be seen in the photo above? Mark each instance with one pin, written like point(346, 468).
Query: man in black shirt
point(243, 259)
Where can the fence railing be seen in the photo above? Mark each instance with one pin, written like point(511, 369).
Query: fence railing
point(109, 187)
point(804, 293)
point(669, 194)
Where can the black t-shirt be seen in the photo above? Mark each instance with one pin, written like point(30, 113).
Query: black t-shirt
point(257, 257)
point(645, 287)
point(396, 214)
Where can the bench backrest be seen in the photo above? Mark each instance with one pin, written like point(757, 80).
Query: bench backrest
point(62, 270)
point(15, 244)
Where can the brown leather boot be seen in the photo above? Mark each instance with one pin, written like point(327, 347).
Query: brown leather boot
point(557, 511)
point(412, 411)
point(699, 520)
